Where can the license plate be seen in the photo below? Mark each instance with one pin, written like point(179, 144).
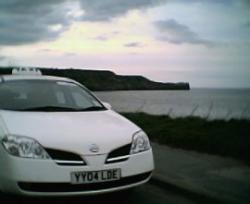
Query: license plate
point(95, 176)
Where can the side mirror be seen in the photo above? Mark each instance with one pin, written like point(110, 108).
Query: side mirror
point(107, 105)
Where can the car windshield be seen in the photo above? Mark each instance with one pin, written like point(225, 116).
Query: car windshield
point(46, 95)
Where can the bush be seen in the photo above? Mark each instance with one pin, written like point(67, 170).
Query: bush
point(226, 138)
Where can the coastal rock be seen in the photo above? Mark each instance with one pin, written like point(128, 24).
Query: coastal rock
point(97, 80)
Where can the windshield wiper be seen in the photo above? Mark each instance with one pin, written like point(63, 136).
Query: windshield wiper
point(92, 108)
point(61, 109)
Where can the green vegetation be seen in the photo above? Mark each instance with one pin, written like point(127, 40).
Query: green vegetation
point(97, 80)
point(226, 138)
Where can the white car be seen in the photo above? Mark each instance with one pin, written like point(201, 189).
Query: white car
point(56, 139)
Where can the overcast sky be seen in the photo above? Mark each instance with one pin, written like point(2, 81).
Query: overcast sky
point(204, 42)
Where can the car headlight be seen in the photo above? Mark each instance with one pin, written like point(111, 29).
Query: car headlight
point(24, 147)
point(140, 143)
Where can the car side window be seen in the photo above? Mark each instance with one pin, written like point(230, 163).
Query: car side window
point(60, 97)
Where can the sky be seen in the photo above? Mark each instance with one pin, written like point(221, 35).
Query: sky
point(203, 42)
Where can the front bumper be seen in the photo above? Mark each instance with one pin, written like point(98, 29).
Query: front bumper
point(46, 178)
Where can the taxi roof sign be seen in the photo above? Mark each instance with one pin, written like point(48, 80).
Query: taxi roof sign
point(26, 71)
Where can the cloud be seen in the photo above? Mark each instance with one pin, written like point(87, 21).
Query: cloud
point(174, 32)
point(2, 58)
point(133, 44)
point(101, 38)
point(105, 10)
point(246, 24)
point(29, 21)
point(45, 50)
point(106, 36)
point(26, 21)
point(244, 2)
point(69, 54)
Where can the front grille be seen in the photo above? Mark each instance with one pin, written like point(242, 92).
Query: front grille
point(65, 158)
point(68, 187)
point(118, 155)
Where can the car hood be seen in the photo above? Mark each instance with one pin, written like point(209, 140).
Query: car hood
point(72, 131)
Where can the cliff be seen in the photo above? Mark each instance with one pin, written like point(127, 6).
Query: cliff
point(97, 80)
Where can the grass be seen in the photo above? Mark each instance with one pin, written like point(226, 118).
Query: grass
point(226, 138)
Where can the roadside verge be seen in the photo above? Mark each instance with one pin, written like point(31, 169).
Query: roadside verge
point(219, 179)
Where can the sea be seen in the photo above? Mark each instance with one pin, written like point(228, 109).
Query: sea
point(206, 103)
